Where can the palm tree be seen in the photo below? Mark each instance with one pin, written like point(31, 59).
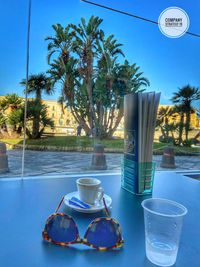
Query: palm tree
point(85, 44)
point(110, 88)
point(113, 81)
point(11, 119)
point(33, 109)
point(164, 113)
point(60, 44)
point(85, 62)
point(185, 97)
point(38, 84)
point(11, 102)
point(68, 75)
point(179, 109)
point(108, 51)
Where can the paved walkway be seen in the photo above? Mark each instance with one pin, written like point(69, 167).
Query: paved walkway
point(55, 163)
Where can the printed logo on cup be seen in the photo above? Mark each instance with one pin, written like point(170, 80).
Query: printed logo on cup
point(174, 22)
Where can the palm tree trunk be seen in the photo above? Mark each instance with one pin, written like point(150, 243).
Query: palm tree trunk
point(167, 128)
point(101, 114)
point(117, 122)
point(78, 118)
point(163, 131)
point(36, 120)
point(91, 104)
point(181, 125)
point(89, 86)
point(187, 125)
point(28, 133)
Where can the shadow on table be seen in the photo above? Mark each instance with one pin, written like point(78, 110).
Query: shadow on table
point(76, 253)
point(87, 256)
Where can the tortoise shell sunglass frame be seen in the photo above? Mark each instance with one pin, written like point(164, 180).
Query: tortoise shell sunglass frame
point(107, 226)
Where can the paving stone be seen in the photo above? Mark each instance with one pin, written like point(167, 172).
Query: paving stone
point(45, 162)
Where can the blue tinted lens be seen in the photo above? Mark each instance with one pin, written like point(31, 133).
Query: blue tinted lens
point(62, 229)
point(103, 233)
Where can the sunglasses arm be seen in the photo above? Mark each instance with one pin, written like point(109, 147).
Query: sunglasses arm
point(106, 208)
point(59, 205)
point(104, 202)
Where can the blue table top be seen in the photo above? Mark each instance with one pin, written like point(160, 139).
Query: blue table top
point(25, 206)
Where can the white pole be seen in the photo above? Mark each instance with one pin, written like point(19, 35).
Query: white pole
point(26, 90)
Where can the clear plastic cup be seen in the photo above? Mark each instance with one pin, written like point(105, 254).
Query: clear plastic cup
point(163, 222)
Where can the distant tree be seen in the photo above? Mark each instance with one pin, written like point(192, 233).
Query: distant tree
point(11, 115)
point(184, 98)
point(34, 108)
point(38, 84)
point(179, 109)
point(163, 122)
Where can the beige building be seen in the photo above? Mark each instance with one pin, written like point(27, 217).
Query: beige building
point(66, 124)
point(63, 120)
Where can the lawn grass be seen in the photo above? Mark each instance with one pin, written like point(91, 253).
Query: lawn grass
point(114, 145)
point(67, 141)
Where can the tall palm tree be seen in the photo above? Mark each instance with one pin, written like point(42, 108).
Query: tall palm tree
point(110, 87)
point(68, 75)
point(38, 84)
point(85, 62)
point(185, 97)
point(107, 54)
point(60, 44)
point(85, 44)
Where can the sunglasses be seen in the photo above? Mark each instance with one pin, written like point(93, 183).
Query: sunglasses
point(102, 234)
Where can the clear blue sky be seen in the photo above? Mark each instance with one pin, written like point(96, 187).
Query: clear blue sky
point(167, 63)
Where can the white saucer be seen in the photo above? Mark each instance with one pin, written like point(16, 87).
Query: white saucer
point(93, 209)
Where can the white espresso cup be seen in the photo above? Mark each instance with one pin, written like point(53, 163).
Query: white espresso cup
point(90, 190)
